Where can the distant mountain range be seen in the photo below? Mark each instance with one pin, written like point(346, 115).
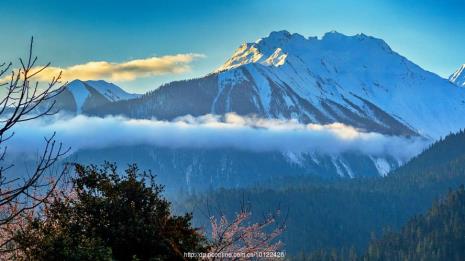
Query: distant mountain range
point(356, 80)
point(82, 96)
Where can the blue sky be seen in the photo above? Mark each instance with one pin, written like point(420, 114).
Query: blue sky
point(430, 33)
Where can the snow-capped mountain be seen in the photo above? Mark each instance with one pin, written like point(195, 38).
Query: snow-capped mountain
point(80, 96)
point(458, 77)
point(110, 91)
point(357, 80)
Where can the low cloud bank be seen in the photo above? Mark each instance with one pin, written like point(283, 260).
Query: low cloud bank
point(211, 131)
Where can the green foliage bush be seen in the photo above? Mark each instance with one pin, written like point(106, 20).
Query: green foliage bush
point(109, 216)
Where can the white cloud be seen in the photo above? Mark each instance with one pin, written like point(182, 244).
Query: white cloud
point(211, 131)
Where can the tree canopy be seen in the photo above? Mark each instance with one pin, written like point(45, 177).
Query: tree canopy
point(109, 216)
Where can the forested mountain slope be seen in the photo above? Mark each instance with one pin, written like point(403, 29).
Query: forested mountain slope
point(343, 213)
point(437, 235)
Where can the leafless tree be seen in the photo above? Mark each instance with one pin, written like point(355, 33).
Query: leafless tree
point(23, 99)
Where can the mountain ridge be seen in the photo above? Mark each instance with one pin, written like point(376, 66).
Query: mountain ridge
point(80, 96)
point(356, 80)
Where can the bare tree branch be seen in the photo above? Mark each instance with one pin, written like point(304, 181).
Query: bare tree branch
point(23, 100)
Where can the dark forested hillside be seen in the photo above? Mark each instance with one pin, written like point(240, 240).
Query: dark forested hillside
point(193, 97)
point(199, 169)
point(437, 235)
point(324, 214)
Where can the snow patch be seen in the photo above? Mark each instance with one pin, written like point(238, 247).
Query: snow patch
point(293, 157)
point(111, 91)
point(458, 77)
point(80, 93)
point(382, 166)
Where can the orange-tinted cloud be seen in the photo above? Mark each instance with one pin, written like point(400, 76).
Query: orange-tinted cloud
point(124, 71)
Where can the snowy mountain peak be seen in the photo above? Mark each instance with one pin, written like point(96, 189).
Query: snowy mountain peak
point(79, 92)
point(277, 47)
point(333, 35)
point(458, 77)
point(338, 78)
point(110, 91)
point(354, 80)
point(278, 39)
point(81, 95)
